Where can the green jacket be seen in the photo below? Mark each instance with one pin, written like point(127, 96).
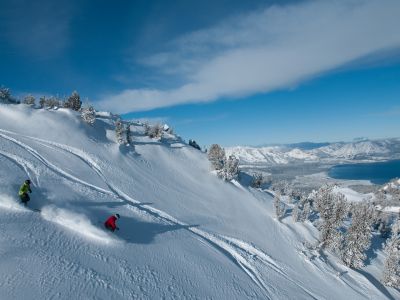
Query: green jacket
point(25, 188)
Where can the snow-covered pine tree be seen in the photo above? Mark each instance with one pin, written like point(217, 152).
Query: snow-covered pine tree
point(5, 95)
point(119, 131)
point(231, 169)
point(279, 206)
point(29, 100)
point(306, 210)
point(257, 180)
point(332, 208)
point(128, 134)
point(391, 271)
point(384, 228)
point(392, 191)
point(283, 187)
point(52, 102)
point(88, 114)
point(298, 211)
point(358, 237)
point(42, 102)
point(380, 198)
point(155, 131)
point(146, 127)
point(73, 102)
point(216, 155)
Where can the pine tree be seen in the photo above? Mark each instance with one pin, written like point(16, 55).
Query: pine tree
point(257, 180)
point(332, 208)
point(358, 236)
point(231, 169)
point(42, 102)
point(29, 100)
point(88, 114)
point(279, 206)
point(119, 131)
point(73, 102)
point(283, 187)
point(302, 209)
point(155, 131)
point(306, 211)
point(391, 272)
point(5, 95)
point(216, 156)
point(297, 212)
point(146, 127)
point(128, 134)
point(52, 102)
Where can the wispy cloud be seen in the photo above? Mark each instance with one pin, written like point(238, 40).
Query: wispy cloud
point(276, 48)
point(39, 29)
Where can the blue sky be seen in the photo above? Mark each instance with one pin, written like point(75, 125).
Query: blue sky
point(229, 72)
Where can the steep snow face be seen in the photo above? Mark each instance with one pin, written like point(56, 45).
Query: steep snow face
point(184, 234)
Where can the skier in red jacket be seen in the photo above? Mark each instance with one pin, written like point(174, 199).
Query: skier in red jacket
point(110, 223)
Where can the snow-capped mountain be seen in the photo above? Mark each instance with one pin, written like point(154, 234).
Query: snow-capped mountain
point(269, 155)
point(184, 233)
point(361, 150)
point(356, 150)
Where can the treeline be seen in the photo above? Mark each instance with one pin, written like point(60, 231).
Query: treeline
point(72, 102)
point(123, 133)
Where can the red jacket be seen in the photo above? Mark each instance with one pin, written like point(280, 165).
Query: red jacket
point(111, 222)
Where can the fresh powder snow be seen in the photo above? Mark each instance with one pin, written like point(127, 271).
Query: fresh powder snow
point(184, 233)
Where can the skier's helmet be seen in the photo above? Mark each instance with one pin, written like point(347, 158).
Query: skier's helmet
point(118, 216)
point(27, 181)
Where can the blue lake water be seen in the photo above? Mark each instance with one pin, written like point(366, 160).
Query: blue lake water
point(378, 173)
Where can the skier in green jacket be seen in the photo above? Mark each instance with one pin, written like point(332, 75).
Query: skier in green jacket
point(23, 192)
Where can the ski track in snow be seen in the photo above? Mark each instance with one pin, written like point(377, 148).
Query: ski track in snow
point(48, 164)
point(244, 255)
point(325, 267)
point(24, 164)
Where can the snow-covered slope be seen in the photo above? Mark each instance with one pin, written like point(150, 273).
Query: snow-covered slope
point(335, 152)
point(184, 234)
point(354, 150)
point(269, 155)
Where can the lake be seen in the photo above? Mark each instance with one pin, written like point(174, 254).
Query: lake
point(378, 173)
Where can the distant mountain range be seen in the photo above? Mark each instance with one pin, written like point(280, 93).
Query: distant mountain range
point(363, 150)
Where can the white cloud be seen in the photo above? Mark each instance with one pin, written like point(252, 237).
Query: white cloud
point(266, 50)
